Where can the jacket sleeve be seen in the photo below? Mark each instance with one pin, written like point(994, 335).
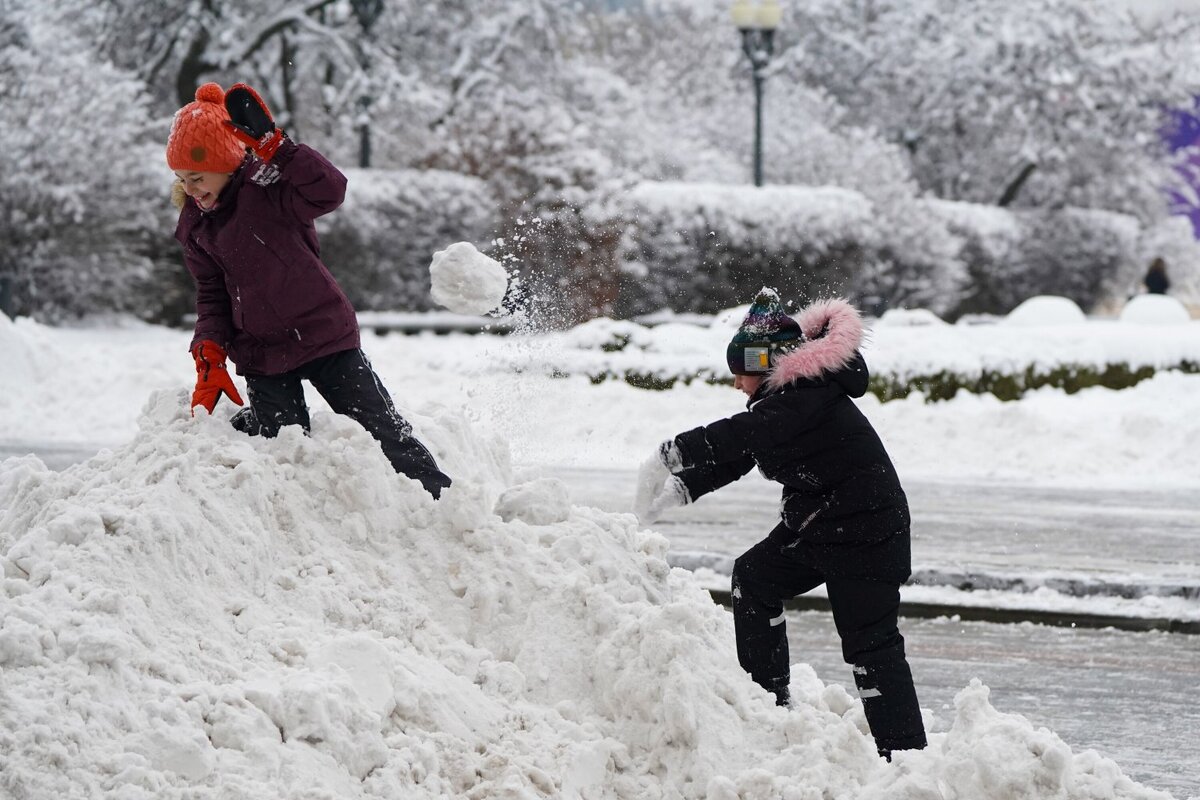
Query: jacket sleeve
point(708, 478)
point(310, 185)
point(214, 314)
point(777, 418)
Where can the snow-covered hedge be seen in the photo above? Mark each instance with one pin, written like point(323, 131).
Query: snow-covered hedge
point(380, 242)
point(703, 247)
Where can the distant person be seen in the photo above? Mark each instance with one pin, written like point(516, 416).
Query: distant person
point(263, 295)
point(845, 519)
point(1156, 281)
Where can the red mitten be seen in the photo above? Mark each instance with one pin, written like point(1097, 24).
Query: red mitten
point(212, 379)
point(251, 121)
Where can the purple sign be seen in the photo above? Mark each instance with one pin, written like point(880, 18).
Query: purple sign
point(1181, 135)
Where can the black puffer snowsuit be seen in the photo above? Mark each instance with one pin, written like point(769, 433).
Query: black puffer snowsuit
point(845, 520)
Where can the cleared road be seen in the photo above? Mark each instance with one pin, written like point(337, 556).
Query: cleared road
point(1129, 696)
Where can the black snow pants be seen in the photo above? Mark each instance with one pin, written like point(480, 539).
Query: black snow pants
point(351, 387)
point(865, 614)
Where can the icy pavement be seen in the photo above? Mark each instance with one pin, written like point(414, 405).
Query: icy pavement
point(1126, 694)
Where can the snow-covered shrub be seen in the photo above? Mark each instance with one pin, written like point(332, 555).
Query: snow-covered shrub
point(1072, 252)
point(1155, 309)
point(379, 244)
point(917, 264)
point(1071, 378)
point(990, 239)
point(563, 258)
point(82, 192)
point(551, 183)
point(703, 247)
point(1042, 310)
point(1010, 256)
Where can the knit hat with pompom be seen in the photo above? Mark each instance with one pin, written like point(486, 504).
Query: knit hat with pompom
point(765, 334)
point(200, 140)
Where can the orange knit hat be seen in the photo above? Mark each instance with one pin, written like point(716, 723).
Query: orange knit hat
point(200, 141)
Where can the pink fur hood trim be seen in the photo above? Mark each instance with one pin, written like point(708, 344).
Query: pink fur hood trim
point(821, 354)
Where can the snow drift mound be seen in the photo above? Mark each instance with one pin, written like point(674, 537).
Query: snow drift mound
point(200, 615)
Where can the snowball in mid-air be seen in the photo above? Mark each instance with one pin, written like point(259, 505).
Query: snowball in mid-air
point(466, 281)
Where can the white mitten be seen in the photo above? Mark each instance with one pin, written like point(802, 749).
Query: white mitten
point(652, 475)
point(673, 494)
point(669, 455)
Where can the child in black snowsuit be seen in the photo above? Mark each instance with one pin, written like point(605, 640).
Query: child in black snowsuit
point(845, 520)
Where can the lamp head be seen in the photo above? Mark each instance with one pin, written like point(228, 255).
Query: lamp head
point(769, 15)
point(744, 14)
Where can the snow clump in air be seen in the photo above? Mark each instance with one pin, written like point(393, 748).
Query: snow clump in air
point(466, 281)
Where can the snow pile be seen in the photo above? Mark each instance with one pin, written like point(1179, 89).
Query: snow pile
point(466, 281)
point(198, 614)
point(1155, 309)
point(1046, 310)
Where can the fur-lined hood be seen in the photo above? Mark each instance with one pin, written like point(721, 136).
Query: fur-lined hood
point(833, 333)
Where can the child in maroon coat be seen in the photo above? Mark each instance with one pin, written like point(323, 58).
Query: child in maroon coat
point(263, 295)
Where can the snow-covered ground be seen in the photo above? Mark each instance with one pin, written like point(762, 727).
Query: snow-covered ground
point(193, 613)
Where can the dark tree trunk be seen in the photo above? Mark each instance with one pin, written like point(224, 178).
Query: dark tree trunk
point(1014, 188)
point(193, 66)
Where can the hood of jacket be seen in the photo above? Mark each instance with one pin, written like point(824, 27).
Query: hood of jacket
point(833, 334)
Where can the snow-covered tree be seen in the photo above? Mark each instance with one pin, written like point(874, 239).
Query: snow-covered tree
point(1036, 103)
point(83, 192)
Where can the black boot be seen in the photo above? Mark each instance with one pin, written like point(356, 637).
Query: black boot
point(890, 703)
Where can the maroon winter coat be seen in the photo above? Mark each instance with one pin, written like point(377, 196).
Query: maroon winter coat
point(262, 291)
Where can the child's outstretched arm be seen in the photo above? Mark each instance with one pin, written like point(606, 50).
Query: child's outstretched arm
point(731, 439)
point(706, 479)
point(661, 486)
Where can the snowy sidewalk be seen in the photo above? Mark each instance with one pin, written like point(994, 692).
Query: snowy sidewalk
point(1081, 557)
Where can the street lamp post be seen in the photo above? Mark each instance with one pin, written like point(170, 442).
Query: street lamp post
point(367, 12)
point(757, 23)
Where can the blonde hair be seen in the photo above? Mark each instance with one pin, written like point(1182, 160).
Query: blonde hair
point(178, 195)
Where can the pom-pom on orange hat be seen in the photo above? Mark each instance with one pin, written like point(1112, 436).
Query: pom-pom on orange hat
point(200, 139)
